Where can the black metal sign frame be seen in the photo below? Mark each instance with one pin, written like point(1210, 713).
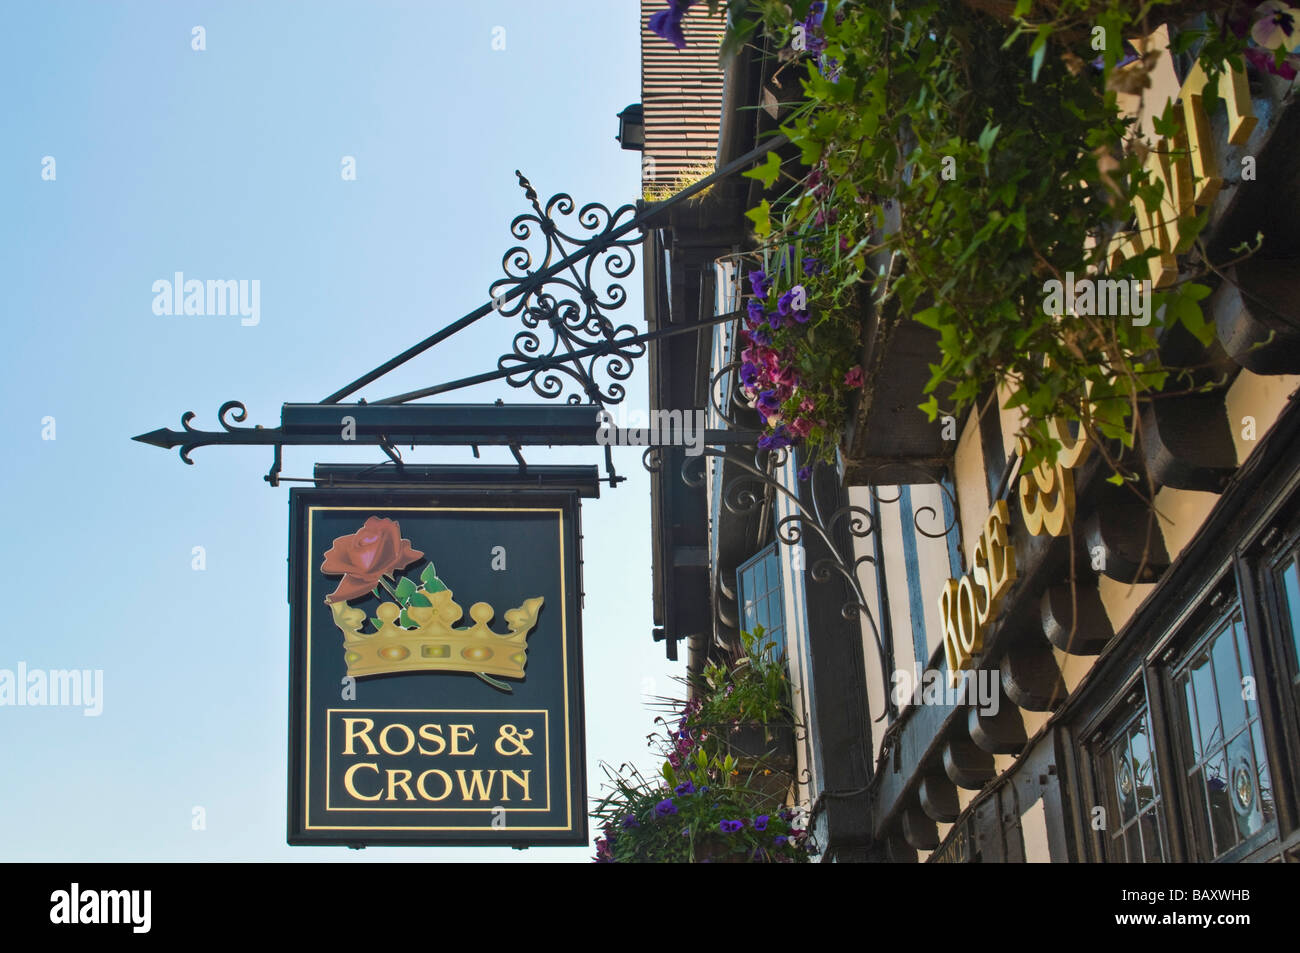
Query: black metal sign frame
point(423, 752)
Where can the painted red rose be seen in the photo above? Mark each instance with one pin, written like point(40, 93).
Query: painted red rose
point(372, 551)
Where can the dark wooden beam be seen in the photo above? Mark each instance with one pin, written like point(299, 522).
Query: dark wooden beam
point(938, 797)
point(1080, 611)
point(1187, 442)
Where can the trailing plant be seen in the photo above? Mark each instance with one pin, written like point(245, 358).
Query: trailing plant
point(706, 804)
point(753, 690)
point(954, 159)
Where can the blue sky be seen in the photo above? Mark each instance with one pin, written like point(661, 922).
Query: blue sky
point(225, 163)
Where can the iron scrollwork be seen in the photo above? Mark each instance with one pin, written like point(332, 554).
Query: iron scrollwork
point(573, 313)
point(744, 492)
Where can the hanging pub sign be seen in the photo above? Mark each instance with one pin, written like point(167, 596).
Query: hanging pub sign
point(436, 668)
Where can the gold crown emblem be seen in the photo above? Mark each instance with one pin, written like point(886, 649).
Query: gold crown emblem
point(433, 645)
point(414, 633)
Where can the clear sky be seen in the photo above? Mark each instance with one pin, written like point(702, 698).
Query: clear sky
point(225, 163)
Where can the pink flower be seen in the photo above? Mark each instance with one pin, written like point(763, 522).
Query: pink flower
point(806, 405)
point(854, 378)
point(801, 426)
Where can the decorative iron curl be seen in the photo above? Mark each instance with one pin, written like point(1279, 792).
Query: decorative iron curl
point(932, 515)
point(653, 459)
point(731, 400)
point(589, 264)
point(232, 409)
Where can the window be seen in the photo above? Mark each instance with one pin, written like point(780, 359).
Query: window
point(1288, 584)
point(1215, 762)
point(1226, 776)
point(1128, 775)
point(761, 598)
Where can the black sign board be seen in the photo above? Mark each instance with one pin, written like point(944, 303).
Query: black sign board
point(436, 668)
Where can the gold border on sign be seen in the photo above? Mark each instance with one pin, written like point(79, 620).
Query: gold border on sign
point(564, 647)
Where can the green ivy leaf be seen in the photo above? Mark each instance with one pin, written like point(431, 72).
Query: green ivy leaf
point(767, 172)
point(1039, 50)
point(762, 218)
point(406, 620)
point(421, 600)
point(377, 623)
point(989, 134)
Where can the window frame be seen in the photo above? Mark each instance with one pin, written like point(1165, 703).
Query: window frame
point(771, 552)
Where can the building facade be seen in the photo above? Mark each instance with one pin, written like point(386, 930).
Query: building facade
point(1033, 665)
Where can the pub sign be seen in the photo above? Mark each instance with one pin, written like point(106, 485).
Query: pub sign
point(436, 668)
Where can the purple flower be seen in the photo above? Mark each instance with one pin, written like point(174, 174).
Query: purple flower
point(780, 840)
point(760, 822)
point(756, 313)
point(1266, 62)
point(760, 336)
point(630, 822)
point(665, 807)
point(683, 789)
point(730, 827)
point(811, 266)
point(776, 440)
point(759, 281)
point(805, 474)
point(783, 303)
point(774, 319)
point(768, 405)
point(668, 23)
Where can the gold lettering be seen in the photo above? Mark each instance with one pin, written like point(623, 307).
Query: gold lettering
point(1241, 121)
point(383, 738)
point(398, 778)
point(1001, 554)
point(508, 776)
point(984, 603)
point(446, 784)
point(1155, 228)
point(968, 627)
point(1074, 450)
point(352, 735)
point(1187, 164)
point(461, 733)
point(951, 644)
point(475, 789)
point(350, 786)
point(1047, 499)
point(433, 733)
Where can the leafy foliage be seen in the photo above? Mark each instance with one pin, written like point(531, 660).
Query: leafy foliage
point(951, 163)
